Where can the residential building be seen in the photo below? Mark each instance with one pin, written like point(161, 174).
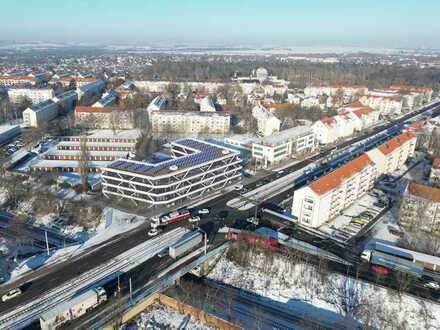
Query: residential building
point(7, 132)
point(424, 92)
point(11, 81)
point(158, 103)
point(420, 207)
point(196, 168)
point(267, 122)
point(78, 81)
point(391, 155)
point(327, 197)
point(190, 122)
point(310, 102)
point(385, 104)
point(363, 117)
point(35, 95)
point(207, 105)
point(107, 99)
point(283, 145)
point(334, 89)
point(102, 146)
point(330, 129)
point(90, 92)
point(434, 176)
point(66, 101)
point(40, 114)
point(103, 118)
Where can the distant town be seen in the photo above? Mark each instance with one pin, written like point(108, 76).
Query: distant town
point(246, 190)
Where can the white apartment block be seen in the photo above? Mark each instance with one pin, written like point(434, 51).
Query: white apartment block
point(386, 105)
point(40, 114)
point(267, 122)
point(333, 89)
point(10, 81)
point(103, 118)
point(425, 93)
point(325, 198)
point(434, 176)
point(190, 122)
point(196, 168)
point(391, 155)
point(35, 95)
point(279, 146)
point(330, 129)
point(364, 117)
point(207, 105)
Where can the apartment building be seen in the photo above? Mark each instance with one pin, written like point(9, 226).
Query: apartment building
point(391, 155)
point(434, 176)
point(424, 93)
point(190, 122)
point(385, 104)
point(420, 207)
point(35, 95)
point(90, 92)
point(40, 114)
point(334, 89)
point(11, 81)
point(363, 117)
point(267, 122)
point(325, 198)
point(196, 168)
point(102, 146)
point(107, 99)
point(283, 145)
point(206, 105)
point(330, 129)
point(66, 80)
point(103, 118)
point(157, 104)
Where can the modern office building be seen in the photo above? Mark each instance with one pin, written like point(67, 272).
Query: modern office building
point(197, 167)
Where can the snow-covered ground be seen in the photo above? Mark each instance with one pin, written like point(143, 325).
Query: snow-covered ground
point(161, 317)
point(302, 286)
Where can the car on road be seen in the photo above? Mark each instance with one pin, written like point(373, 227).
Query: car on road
point(11, 294)
point(153, 232)
point(204, 211)
point(238, 187)
point(432, 285)
point(194, 219)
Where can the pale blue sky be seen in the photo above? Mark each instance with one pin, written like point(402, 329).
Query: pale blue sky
point(368, 23)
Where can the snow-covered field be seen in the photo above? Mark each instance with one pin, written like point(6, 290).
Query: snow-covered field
point(298, 286)
point(161, 317)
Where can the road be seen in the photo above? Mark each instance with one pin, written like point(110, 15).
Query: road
point(46, 278)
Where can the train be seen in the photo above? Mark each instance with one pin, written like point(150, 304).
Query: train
point(170, 218)
point(72, 309)
point(398, 259)
point(188, 242)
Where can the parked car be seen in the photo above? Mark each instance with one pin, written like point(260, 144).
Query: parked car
point(11, 294)
point(253, 220)
point(153, 232)
point(380, 270)
point(432, 285)
point(194, 219)
point(203, 211)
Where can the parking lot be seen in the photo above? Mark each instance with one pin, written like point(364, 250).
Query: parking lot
point(358, 216)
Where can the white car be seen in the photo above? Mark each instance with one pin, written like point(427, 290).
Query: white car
point(153, 232)
point(11, 294)
point(194, 219)
point(203, 211)
point(432, 285)
point(253, 220)
point(238, 187)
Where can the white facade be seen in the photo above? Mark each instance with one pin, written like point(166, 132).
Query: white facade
point(197, 167)
point(190, 122)
point(283, 145)
point(266, 120)
point(206, 105)
point(330, 129)
point(386, 105)
point(325, 198)
point(331, 90)
point(40, 114)
point(17, 95)
point(157, 104)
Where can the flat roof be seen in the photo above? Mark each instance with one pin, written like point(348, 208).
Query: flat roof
point(98, 144)
point(59, 152)
point(110, 134)
point(203, 152)
point(6, 128)
point(67, 163)
point(285, 135)
point(189, 113)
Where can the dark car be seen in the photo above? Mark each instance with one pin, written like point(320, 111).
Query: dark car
point(223, 214)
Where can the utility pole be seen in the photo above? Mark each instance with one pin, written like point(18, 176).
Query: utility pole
point(206, 243)
point(119, 284)
point(47, 243)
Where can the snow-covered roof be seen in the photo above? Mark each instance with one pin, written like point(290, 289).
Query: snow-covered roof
point(6, 128)
point(285, 136)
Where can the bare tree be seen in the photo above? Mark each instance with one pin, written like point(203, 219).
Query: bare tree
point(84, 163)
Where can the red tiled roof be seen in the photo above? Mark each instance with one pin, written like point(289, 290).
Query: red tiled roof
point(391, 145)
point(16, 78)
point(328, 120)
point(363, 111)
point(436, 163)
point(94, 110)
point(335, 178)
point(278, 106)
point(424, 191)
point(409, 88)
point(355, 104)
point(416, 126)
point(90, 79)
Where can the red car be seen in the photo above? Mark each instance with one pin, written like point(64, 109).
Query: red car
point(395, 232)
point(380, 270)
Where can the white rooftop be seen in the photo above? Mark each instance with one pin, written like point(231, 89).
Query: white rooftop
point(6, 127)
point(108, 133)
point(286, 135)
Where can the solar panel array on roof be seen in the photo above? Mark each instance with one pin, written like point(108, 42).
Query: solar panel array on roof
point(203, 152)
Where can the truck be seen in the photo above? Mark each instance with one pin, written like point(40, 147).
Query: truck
point(187, 243)
point(72, 309)
point(393, 258)
point(170, 218)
